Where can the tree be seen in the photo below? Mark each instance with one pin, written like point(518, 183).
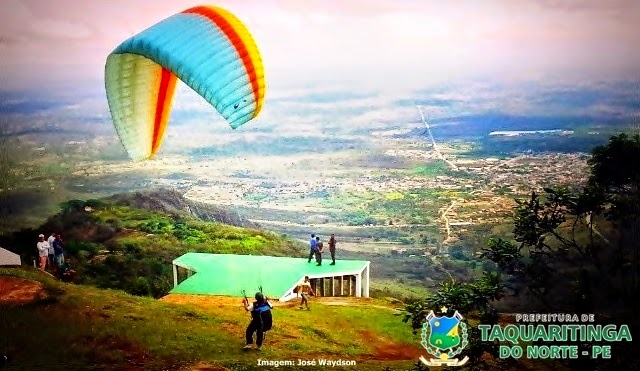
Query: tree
point(562, 258)
point(72, 205)
point(572, 250)
point(466, 297)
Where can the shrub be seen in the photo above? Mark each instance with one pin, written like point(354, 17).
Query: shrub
point(157, 225)
point(96, 204)
point(406, 241)
point(189, 235)
point(458, 253)
point(75, 247)
point(140, 287)
point(72, 205)
point(132, 248)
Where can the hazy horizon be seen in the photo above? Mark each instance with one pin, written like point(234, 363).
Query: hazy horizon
point(335, 68)
point(382, 46)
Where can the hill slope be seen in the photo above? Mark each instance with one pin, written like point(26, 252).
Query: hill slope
point(171, 202)
point(128, 241)
point(110, 329)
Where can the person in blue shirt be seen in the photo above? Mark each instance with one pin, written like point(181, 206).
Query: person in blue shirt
point(58, 248)
point(313, 247)
point(261, 320)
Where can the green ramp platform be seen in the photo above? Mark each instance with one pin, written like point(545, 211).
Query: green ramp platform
point(230, 274)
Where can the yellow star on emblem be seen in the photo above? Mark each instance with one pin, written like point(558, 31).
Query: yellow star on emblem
point(444, 309)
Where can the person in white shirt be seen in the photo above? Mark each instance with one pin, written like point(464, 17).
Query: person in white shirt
point(43, 251)
point(50, 240)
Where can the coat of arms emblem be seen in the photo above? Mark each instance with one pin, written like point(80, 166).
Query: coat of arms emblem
point(444, 338)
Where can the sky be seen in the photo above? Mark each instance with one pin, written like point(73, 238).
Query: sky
point(381, 45)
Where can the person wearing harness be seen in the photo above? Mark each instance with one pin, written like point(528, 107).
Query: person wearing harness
point(261, 320)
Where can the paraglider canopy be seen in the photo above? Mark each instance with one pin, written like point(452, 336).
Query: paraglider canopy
point(207, 48)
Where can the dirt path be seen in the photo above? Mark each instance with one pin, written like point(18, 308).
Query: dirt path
point(210, 301)
point(447, 225)
point(387, 350)
point(14, 290)
point(595, 230)
point(351, 301)
point(433, 142)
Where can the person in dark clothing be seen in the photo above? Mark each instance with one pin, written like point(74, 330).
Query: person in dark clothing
point(58, 248)
point(332, 248)
point(261, 320)
point(66, 273)
point(312, 247)
point(318, 251)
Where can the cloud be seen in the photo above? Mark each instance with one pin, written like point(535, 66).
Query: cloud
point(23, 22)
point(382, 46)
point(588, 5)
point(353, 8)
point(60, 30)
point(8, 40)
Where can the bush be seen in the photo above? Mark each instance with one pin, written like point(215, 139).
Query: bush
point(72, 205)
point(96, 204)
point(188, 235)
point(104, 232)
point(115, 223)
point(458, 253)
point(160, 286)
point(360, 218)
point(406, 241)
point(157, 225)
point(75, 247)
point(133, 248)
point(140, 287)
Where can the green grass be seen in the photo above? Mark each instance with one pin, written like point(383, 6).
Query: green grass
point(432, 169)
point(126, 248)
point(416, 206)
point(108, 328)
point(394, 289)
point(154, 229)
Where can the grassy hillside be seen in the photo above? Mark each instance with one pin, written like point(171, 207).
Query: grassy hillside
point(127, 242)
point(114, 245)
point(95, 328)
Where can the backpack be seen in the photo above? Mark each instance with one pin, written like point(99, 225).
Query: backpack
point(295, 291)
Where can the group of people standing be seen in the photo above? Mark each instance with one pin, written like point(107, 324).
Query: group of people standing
point(316, 248)
point(51, 257)
point(50, 251)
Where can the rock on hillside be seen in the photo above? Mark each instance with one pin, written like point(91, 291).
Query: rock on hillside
point(172, 202)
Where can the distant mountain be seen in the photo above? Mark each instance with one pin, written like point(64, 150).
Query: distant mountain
point(173, 203)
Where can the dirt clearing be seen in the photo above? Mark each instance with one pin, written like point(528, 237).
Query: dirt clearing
point(14, 290)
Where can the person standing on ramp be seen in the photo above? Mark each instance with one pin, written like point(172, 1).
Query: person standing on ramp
point(261, 320)
point(319, 247)
point(332, 248)
point(312, 247)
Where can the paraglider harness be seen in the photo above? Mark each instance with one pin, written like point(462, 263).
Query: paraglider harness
point(261, 312)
